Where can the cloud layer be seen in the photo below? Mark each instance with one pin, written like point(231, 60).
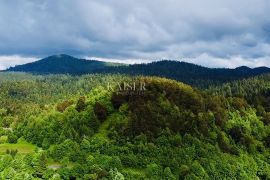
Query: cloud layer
point(224, 33)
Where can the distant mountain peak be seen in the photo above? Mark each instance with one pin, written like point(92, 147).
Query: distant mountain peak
point(60, 56)
point(243, 67)
point(60, 64)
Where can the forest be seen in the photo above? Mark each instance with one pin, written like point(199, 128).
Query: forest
point(99, 126)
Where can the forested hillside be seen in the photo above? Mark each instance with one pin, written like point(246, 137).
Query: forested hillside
point(191, 74)
point(101, 127)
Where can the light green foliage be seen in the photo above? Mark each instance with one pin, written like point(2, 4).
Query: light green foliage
point(115, 175)
point(154, 171)
point(168, 175)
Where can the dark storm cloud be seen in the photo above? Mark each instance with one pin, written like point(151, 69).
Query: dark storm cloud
point(212, 33)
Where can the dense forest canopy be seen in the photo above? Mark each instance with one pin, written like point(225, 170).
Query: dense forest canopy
point(67, 127)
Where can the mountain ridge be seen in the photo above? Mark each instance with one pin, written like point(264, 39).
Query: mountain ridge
point(66, 56)
point(178, 70)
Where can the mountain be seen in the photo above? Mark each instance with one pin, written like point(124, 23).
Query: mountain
point(186, 72)
point(61, 64)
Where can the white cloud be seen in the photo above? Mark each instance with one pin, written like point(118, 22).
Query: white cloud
point(124, 61)
point(230, 62)
point(138, 29)
point(203, 60)
point(7, 61)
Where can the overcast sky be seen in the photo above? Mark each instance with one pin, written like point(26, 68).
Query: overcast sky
point(213, 33)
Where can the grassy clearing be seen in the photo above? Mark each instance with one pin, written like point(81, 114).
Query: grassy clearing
point(103, 132)
point(103, 129)
point(23, 148)
point(134, 172)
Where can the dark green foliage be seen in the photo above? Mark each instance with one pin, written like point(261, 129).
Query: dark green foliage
point(238, 103)
point(237, 133)
point(81, 104)
point(12, 138)
point(100, 111)
point(163, 104)
point(118, 99)
point(267, 141)
point(224, 144)
point(266, 118)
